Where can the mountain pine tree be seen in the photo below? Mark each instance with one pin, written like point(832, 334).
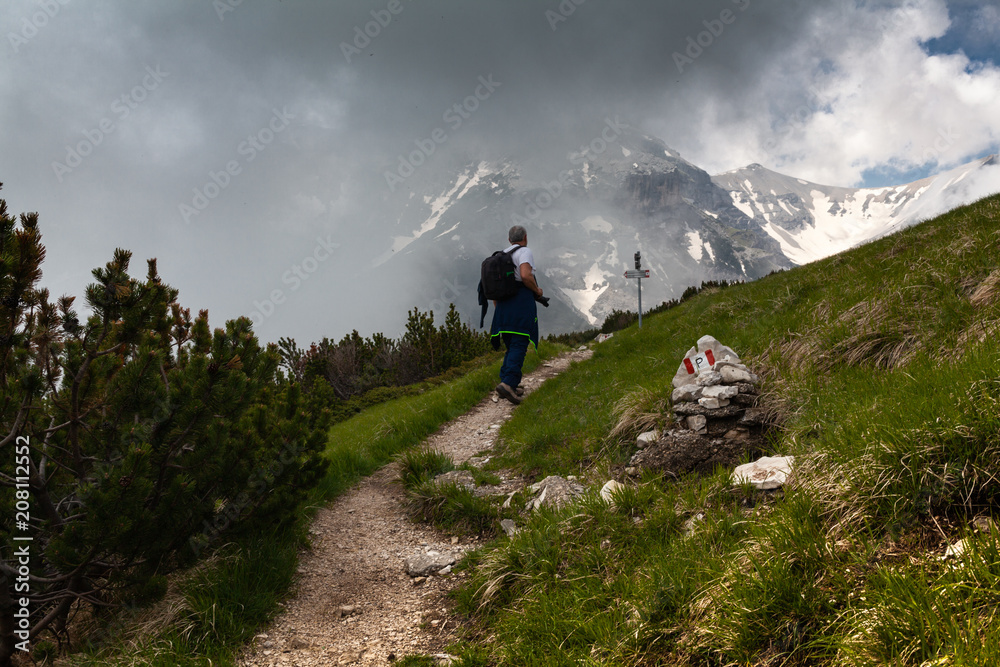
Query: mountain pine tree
point(148, 433)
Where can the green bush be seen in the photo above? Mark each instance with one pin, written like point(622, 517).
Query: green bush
point(144, 434)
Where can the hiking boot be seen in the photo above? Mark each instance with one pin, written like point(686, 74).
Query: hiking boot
point(519, 390)
point(506, 392)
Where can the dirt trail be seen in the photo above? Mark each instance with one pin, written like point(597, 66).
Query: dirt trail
point(360, 542)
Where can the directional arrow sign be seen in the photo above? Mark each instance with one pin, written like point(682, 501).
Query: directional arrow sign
point(644, 273)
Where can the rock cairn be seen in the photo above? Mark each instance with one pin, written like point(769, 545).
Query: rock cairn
point(716, 418)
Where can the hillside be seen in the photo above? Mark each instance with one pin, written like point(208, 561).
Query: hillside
point(881, 366)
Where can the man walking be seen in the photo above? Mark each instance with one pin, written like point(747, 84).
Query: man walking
point(515, 320)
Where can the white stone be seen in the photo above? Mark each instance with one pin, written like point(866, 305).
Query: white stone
point(603, 337)
point(609, 489)
point(647, 438)
point(683, 377)
point(719, 351)
point(956, 550)
point(720, 391)
point(689, 393)
point(709, 378)
point(555, 492)
point(689, 526)
point(713, 403)
point(461, 478)
point(422, 565)
point(699, 357)
point(767, 472)
point(697, 423)
point(732, 375)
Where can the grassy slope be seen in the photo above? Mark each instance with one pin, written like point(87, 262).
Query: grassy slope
point(882, 362)
point(216, 609)
point(895, 438)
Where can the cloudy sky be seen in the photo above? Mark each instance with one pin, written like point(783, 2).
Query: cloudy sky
point(245, 144)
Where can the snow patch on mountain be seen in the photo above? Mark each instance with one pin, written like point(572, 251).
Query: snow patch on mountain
point(596, 223)
point(595, 284)
point(696, 247)
point(812, 221)
point(439, 206)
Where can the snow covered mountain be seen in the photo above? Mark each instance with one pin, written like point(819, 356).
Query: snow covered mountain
point(625, 192)
point(813, 221)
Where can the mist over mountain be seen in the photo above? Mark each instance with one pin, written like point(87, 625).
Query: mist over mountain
point(623, 191)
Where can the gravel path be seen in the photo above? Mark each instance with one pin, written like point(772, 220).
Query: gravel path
point(354, 603)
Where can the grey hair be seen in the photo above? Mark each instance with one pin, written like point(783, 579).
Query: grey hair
point(517, 234)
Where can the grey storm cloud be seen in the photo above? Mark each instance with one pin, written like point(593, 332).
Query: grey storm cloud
point(247, 144)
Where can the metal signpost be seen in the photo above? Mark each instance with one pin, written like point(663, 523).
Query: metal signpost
point(638, 274)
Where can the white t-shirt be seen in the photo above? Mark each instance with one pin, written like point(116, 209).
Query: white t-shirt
point(521, 256)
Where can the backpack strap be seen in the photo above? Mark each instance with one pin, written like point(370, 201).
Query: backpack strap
point(484, 304)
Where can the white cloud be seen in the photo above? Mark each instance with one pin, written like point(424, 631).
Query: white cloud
point(869, 97)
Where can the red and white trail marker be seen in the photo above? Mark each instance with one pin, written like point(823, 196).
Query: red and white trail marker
point(699, 362)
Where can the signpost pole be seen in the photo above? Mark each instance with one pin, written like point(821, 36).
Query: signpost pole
point(640, 303)
point(638, 275)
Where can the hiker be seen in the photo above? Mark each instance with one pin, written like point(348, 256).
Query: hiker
point(515, 320)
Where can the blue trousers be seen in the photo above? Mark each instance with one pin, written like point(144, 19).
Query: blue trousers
point(513, 359)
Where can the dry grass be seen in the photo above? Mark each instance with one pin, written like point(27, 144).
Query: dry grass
point(963, 245)
point(979, 332)
point(987, 292)
point(897, 248)
point(822, 312)
point(637, 411)
point(797, 352)
point(879, 349)
point(926, 269)
point(141, 634)
point(832, 486)
point(880, 337)
point(778, 393)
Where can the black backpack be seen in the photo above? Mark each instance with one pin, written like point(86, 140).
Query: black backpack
point(498, 274)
